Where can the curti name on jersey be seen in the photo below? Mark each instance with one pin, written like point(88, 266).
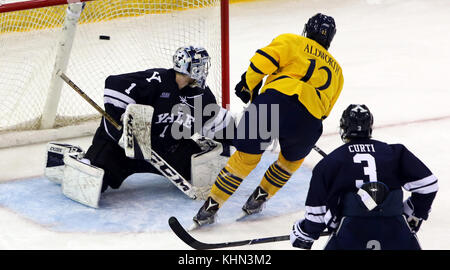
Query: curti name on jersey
point(323, 55)
point(361, 148)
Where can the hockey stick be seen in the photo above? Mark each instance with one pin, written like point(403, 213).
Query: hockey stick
point(318, 150)
point(195, 244)
point(156, 160)
point(89, 100)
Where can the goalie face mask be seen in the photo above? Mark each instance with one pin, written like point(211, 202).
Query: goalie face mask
point(194, 62)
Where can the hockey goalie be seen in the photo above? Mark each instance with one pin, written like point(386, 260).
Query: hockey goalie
point(171, 126)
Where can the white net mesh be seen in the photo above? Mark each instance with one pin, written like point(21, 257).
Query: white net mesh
point(142, 35)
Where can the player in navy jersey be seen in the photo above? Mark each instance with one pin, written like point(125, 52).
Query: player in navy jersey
point(356, 192)
point(178, 95)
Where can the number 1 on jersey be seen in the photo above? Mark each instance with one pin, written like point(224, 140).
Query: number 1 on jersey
point(163, 133)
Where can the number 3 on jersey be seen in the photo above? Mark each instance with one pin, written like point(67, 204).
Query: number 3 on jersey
point(370, 169)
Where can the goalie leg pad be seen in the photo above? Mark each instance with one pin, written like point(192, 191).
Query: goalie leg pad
point(205, 166)
point(54, 168)
point(82, 182)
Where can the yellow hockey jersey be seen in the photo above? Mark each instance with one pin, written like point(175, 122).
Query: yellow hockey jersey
point(301, 66)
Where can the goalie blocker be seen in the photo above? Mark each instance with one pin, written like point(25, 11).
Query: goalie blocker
point(110, 166)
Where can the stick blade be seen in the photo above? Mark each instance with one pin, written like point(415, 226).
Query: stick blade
point(184, 235)
point(189, 240)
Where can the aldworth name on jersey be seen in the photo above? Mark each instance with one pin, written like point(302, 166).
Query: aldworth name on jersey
point(297, 65)
point(172, 106)
point(362, 160)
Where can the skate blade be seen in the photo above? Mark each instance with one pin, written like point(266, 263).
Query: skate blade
point(193, 227)
point(196, 226)
point(242, 216)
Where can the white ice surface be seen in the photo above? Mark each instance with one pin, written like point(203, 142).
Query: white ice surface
point(394, 56)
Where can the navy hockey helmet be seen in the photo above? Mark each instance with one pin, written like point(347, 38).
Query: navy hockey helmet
point(356, 122)
point(320, 28)
point(194, 62)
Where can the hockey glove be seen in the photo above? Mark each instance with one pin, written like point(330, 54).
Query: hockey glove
point(243, 92)
point(414, 223)
point(299, 238)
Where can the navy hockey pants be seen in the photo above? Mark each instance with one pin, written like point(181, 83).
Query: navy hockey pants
point(373, 233)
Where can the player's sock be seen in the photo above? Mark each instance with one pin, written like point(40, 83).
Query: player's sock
point(230, 177)
point(238, 167)
point(225, 185)
point(278, 174)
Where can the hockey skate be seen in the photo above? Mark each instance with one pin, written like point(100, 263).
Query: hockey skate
point(206, 214)
point(255, 202)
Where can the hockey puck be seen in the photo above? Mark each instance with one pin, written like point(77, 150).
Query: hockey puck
point(104, 37)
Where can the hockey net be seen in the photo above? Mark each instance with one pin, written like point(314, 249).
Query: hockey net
point(110, 37)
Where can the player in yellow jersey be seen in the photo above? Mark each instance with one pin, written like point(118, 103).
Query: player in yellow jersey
point(302, 85)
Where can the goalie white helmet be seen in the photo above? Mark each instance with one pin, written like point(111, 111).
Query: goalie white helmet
point(194, 62)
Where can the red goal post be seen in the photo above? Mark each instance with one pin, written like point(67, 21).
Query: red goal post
point(36, 39)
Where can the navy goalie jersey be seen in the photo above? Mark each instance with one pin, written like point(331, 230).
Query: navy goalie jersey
point(183, 108)
point(365, 160)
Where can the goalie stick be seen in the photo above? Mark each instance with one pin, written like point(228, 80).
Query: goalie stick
point(156, 160)
point(195, 244)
